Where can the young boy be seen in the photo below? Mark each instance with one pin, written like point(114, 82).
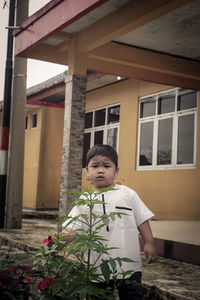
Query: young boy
point(122, 233)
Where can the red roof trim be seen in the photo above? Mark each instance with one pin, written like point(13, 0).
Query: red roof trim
point(52, 20)
point(43, 103)
point(44, 93)
point(36, 16)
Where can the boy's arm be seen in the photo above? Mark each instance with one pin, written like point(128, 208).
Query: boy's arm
point(149, 247)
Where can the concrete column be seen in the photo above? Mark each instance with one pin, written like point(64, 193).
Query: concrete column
point(15, 169)
point(71, 174)
point(14, 195)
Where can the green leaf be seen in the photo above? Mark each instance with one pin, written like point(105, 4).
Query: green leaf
point(112, 264)
point(105, 270)
point(105, 220)
point(118, 259)
point(126, 259)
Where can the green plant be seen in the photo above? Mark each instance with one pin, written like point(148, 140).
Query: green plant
point(66, 269)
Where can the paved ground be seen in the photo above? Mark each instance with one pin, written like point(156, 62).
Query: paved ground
point(166, 278)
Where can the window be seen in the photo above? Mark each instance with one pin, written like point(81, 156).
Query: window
point(34, 121)
point(167, 130)
point(101, 127)
point(26, 122)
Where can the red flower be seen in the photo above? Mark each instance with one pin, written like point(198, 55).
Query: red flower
point(46, 240)
point(29, 278)
point(49, 239)
point(46, 283)
point(1, 283)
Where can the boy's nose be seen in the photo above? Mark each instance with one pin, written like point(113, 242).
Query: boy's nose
point(100, 170)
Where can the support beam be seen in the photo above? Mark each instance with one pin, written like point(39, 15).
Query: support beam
point(147, 60)
point(127, 18)
point(77, 60)
point(75, 96)
point(14, 195)
point(145, 65)
point(71, 173)
point(146, 75)
point(48, 53)
point(61, 15)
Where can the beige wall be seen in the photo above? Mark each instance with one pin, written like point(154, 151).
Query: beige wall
point(50, 158)
point(43, 148)
point(171, 194)
point(31, 160)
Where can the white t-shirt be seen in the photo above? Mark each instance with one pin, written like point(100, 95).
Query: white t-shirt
point(122, 232)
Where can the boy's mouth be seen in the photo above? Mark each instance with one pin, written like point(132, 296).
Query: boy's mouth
point(100, 177)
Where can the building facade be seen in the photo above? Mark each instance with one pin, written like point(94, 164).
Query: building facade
point(154, 128)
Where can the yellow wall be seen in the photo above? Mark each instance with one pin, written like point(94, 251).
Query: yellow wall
point(50, 158)
point(171, 194)
point(31, 160)
point(42, 167)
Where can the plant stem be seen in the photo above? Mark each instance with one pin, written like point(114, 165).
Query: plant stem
point(89, 250)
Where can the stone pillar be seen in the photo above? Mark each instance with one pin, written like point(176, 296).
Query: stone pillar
point(71, 173)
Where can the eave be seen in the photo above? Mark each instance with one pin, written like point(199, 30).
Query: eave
point(47, 37)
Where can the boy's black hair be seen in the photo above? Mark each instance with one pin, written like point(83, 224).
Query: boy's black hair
point(104, 150)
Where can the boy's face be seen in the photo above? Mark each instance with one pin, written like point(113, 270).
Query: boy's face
point(101, 170)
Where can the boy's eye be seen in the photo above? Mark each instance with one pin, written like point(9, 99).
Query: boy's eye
point(107, 166)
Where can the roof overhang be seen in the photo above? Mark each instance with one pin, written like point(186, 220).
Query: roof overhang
point(113, 33)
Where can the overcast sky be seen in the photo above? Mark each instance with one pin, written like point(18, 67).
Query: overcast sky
point(37, 71)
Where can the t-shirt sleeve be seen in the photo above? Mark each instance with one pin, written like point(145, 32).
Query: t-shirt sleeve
point(75, 212)
point(141, 212)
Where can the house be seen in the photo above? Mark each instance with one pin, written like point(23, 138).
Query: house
point(151, 117)
point(154, 128)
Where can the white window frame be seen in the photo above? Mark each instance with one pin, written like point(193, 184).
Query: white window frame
point(103, 128)
point(155, 119)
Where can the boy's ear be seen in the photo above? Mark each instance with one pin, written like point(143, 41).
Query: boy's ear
point(86, 170)
point(116, 171)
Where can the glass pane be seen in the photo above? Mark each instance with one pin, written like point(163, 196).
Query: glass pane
point(164, 142)
point(187, 101)
point(112, 137)
point(100, 116)
point(98, 137)
point(88, 119)
point(148, 108)
point(146, 142)
point(185, 139)
point(26, 122)
point(86, 147)
point(113, 114)
point(34, 121)
point(166, 104)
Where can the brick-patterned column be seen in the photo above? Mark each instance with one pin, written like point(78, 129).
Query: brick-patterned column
point(71, 173)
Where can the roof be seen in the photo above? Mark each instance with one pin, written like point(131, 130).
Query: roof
point(53, 89)
point(47, 84)
point(152, 40)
